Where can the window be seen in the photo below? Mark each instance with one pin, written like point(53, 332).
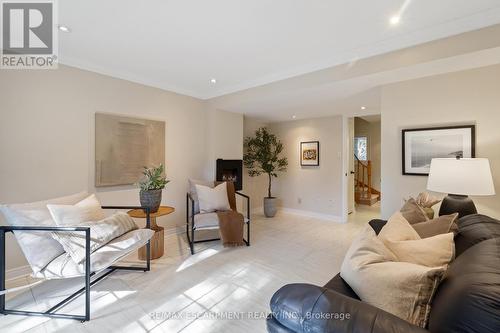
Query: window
point(361, 147)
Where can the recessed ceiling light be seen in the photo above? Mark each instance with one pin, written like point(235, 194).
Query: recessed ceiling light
point(395, 20)
point(63, 28)
point(363, 108)
point(213, 81)
point(294, 117)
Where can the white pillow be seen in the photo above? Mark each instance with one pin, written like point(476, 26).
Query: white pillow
point(38, 247)
point(86, 210)
point(101, 233)
point(212, 199)
point(192, 192)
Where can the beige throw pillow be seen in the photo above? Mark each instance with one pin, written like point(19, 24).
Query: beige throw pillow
point(439, 225)
point(397, 228)
point(412, 212)
point(401, 288)
point(101, 233)
point(212, 199)
point(400, 237)
point(89, 209)
point(194, 195)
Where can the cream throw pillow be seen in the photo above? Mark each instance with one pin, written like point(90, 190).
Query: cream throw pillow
point(401, 288)
point(86, 210)
point(212, 199)
point(402, 239)
point(101, 233)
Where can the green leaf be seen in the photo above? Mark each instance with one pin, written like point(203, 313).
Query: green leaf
point(261, 155)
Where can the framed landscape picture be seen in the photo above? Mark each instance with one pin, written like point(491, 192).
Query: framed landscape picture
point(421, 145)
point(309, 153)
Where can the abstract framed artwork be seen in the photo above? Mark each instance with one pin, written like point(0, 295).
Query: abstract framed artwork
point(124, 145)
point(421, 145)
point(309, 153)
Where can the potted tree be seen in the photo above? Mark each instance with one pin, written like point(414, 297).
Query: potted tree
point(152, 183)
point(262, 156)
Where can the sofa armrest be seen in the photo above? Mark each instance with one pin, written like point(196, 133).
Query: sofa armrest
point(307, 308)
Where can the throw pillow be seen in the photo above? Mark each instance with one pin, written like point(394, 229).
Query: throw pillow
point(397, 228)
point(101, 233)
point(401, 288)
point(86, 210)
point(38, 247)
point(194, 195)
point(213, 199)
point(412, 212)
point(441, 225)
point(400, 237)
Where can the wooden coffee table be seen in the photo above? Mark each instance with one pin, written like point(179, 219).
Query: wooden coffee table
point(157, 241)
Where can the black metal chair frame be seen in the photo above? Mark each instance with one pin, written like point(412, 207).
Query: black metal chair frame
point(191, 229)
point(88, 283)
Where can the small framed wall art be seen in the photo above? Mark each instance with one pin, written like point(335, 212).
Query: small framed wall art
point(309, 153)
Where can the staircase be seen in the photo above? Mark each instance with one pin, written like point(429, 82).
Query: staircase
point(364, 193)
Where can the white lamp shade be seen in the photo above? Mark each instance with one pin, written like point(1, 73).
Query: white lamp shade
point(465, 176)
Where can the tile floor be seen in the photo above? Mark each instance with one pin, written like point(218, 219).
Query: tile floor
point(216, 290)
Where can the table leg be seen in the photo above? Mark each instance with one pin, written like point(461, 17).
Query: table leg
point(157, 242)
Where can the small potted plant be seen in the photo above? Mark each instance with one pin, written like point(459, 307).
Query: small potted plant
point(152, 184)
point(262, 155)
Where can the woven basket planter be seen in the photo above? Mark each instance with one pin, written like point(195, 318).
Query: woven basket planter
point(151, 199)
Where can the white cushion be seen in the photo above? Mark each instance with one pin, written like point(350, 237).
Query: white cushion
point(208, 221)
point(87, 210)
point(101, 233)
point(192, 192)
point(213, 199)
point(64, 267)
point(38, 247)
point(401, 288)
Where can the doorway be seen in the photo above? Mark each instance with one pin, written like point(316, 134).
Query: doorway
point(362, 163)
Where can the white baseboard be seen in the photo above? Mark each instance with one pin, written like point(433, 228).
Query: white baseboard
point(307, 213)
point(17, 272)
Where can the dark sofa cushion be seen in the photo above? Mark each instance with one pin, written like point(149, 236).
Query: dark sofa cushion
point(474, 229)
point(339, 285)
point(468, 299)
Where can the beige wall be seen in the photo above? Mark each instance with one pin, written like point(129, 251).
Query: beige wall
point(47, 137)
point(465, 97)
point(224, 138)
point(318, 188)
point(255, 187)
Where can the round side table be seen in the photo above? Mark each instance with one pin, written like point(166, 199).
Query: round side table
point(157, 241)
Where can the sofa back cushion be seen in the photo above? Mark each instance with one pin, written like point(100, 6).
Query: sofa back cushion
point(474, 229)
point(468, 298)
point(39, 248)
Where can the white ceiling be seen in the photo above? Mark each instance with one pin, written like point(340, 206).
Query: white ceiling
point(180, 45)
